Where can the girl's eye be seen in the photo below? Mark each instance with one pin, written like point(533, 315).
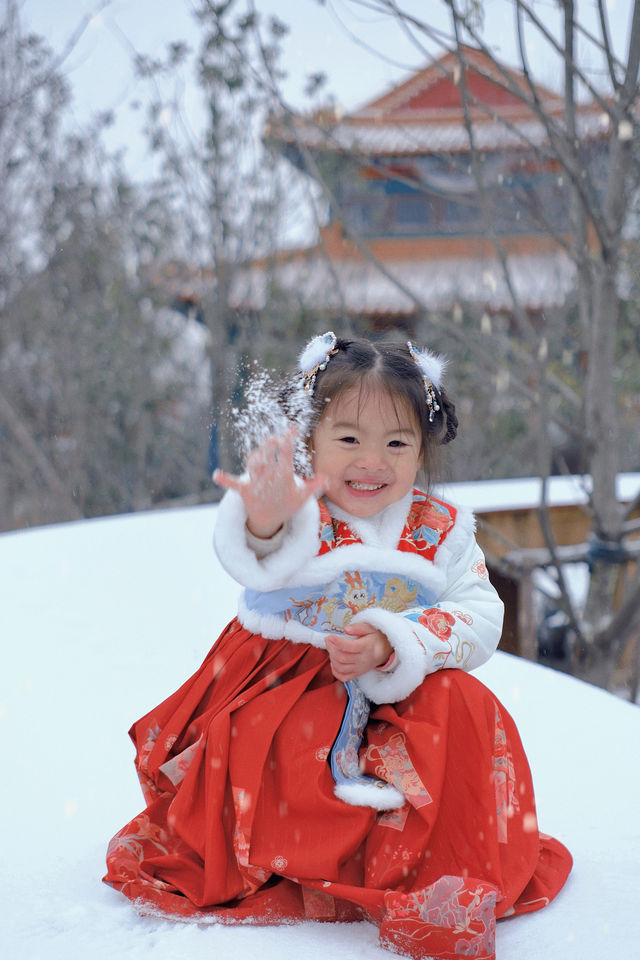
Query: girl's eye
point(397, 443)
point(348, 440)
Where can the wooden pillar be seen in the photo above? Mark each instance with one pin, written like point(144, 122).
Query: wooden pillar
point(508, 590)
point(528, 640)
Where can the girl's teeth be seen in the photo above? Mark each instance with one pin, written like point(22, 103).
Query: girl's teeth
point(365, 486)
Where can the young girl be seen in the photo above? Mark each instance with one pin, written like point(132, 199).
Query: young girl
point(332, 759)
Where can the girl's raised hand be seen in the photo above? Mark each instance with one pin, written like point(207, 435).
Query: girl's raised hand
point(269, 488)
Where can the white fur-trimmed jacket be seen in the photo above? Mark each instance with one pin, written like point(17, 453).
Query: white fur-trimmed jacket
point(414, 572)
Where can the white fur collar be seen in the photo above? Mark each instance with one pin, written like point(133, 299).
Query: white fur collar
point(297, 562)
point(382, 529)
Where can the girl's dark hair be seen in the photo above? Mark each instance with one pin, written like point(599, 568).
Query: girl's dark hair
point(388, 365)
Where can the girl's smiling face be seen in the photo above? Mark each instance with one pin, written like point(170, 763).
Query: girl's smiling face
point(369, 446)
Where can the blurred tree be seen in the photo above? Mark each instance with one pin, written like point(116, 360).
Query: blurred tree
point(229, 193)
point(98, 411)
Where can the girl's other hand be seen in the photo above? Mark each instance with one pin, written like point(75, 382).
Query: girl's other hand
point(269, 488)
point(364, 649)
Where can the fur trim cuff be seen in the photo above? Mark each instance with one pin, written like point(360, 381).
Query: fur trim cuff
point(411, 657)
point(299, 545)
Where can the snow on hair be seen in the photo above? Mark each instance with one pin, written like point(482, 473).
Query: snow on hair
point(316, 351)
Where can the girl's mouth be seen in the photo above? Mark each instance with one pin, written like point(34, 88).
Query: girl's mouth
point(365, 487)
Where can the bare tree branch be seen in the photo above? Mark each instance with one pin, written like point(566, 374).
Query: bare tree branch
point(37, 458)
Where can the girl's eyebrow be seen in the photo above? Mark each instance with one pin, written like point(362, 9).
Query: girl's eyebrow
point(350, 425)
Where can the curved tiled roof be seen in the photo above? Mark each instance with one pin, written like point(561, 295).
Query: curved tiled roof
point(389, 139)
point(425, 114)
point(359, 288)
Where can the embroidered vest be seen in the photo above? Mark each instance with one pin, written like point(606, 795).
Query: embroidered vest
point(330, 607)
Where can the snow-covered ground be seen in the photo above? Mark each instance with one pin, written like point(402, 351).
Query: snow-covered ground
point(102, 619)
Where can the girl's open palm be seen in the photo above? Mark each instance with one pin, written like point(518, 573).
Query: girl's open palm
point(270, 491)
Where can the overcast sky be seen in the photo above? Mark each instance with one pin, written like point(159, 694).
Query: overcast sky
point(362, 53)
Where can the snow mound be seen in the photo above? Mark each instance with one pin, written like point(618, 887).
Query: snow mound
point(102, 619)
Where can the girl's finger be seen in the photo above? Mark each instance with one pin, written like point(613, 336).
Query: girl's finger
point(227, 480)
point(358, 629)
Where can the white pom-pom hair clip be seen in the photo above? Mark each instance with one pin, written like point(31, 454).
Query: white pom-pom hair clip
point(315, 357)
point(432, 368)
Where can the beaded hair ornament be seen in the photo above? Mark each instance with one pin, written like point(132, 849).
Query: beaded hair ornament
point(318, 352)
point(431, 367)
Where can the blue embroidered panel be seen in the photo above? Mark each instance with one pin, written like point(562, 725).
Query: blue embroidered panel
point(333, 607)
point(344, 752)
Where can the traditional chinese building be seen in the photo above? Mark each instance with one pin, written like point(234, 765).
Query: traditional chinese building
point(417, 218)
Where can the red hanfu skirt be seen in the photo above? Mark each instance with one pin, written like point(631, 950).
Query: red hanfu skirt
point(242, 823)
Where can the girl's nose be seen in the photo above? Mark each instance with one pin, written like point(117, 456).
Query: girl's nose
point(370, 458)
